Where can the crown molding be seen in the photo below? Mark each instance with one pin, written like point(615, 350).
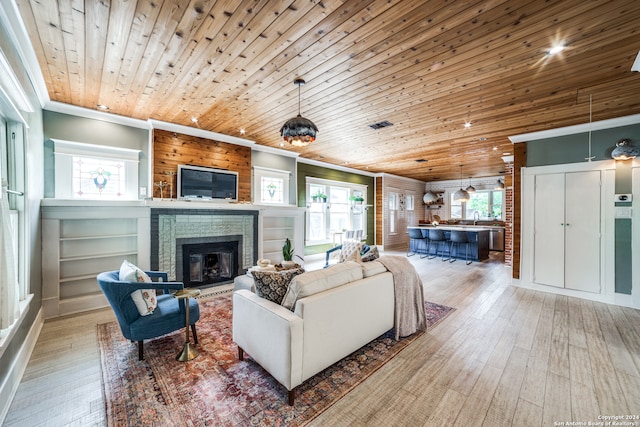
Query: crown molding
point(572, 130)
point(404, 178)
point(11, 20)
point(278, 151)
point(74, 110)
point(335, 167)
point(200, 133)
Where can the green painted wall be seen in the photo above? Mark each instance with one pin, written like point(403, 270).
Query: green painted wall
point(305, 170)
point(574, 149)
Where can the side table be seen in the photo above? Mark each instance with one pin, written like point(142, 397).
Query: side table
point(188, 352)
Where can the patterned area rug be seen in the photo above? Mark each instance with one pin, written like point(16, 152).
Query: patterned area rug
point(216, 389)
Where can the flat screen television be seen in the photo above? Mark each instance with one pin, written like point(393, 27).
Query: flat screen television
point(196, 182)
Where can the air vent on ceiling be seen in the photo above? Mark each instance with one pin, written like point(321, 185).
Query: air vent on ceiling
point(381, 125)
point(420, 160)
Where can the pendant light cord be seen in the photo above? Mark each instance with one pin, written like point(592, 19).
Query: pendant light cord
point(590, 121)
point(299, 84)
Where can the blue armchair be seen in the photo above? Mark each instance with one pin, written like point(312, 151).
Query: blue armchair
point(168, 316)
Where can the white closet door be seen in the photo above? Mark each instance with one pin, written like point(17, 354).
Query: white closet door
point(582, 231)
point(549, 230)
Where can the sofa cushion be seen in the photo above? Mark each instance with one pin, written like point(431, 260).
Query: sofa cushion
point(372, 268)
point(273, 285)
point(312, 282)
point(351, 251)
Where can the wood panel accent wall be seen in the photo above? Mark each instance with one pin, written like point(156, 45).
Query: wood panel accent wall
point(379, 212)
point(519, 161)
point(401, 186)
point(171, 149)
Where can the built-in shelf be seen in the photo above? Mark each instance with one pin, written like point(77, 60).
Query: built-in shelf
point(276, 226)
point(102, 255)
point(77, 278)
point(80, 242)
point(97, 237)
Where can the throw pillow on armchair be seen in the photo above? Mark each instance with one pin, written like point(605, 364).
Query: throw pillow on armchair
point(144, 299)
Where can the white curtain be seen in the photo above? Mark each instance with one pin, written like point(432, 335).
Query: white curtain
point(9, 309)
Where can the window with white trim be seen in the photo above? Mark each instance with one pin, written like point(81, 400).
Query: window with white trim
point(271, 186)
point(14, 254)
point(410, 209)
point(393, 212)
point(483, 204)
point(13, 289)
point(332, 208)
point(93, 172)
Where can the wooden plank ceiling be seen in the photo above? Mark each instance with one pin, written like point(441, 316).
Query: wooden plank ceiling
point(426, 66)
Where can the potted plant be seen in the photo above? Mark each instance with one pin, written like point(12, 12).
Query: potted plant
point(287, 254)
point(319, 196)
point(356, 199)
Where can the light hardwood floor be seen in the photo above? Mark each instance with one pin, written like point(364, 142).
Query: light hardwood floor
point(506, 356)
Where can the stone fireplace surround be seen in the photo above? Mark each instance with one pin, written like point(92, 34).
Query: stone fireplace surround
point(170, 228)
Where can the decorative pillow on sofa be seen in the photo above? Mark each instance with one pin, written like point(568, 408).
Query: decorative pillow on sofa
point(273, 285)
point(316, 281)
point(351, 251)
point(144, 299)
point(371, 255)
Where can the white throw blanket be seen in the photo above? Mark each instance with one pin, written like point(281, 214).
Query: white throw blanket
point(410, 316)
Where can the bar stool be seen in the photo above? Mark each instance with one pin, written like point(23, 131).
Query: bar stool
point(438, 237)
point(425, 236)
point(417, 242)
point(459, 237)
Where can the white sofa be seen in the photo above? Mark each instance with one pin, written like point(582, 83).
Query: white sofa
point(340, 309)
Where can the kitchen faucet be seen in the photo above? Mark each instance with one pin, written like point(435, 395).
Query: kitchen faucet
point(476, 217)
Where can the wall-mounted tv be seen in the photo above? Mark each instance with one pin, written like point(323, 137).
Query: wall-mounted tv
point(196, 182)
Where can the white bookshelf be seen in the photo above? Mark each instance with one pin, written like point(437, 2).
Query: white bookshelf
point(80, 242)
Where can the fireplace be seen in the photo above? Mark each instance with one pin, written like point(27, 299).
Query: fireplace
point(171, 229)
point(209, 263)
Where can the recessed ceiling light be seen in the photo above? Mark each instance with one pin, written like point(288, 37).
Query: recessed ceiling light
point(102, 107)
point(194, 119)
point(555, 49)
point(467, 124)
point(242, 132)
point(495, 148)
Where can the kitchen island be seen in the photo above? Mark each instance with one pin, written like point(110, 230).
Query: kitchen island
point(478, 241)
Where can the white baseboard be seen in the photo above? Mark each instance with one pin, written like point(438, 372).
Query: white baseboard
point(615, 299)
point(9, 386)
